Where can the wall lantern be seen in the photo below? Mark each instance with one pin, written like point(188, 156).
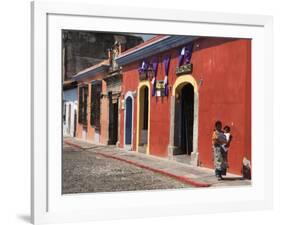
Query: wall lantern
point(200, 82)
point(150, 73)
point(146, 74)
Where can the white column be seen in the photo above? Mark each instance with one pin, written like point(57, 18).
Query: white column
point(194, 154)
point(171, 146)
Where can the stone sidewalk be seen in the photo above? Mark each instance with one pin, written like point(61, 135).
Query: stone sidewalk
point(195, 176)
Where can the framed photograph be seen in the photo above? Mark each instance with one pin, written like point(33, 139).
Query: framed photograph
point(149, 115)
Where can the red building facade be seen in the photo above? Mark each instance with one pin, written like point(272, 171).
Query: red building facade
point(218, 87)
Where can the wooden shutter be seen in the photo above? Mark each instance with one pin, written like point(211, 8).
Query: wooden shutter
point(95, 103)
point(83, 98)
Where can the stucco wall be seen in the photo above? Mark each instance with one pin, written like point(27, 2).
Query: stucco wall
point(70, 101)
point(223, 67)
point(225, 94)
point(92, 134)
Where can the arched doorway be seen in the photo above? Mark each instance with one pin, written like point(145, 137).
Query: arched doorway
point(183, 144)
point(128, 122)
point(184, 120)
point(143, 117)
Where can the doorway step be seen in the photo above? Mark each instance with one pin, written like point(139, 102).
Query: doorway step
point(142, 149)
point(184, 158)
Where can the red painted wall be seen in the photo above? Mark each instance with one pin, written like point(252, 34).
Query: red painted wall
point(159, 106)
point(224, 66)
point(129, 83)
point(225, 69)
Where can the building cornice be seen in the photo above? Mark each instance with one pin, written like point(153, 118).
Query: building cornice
point(153, 48)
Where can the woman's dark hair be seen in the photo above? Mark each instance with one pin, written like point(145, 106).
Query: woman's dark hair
point(218, 123)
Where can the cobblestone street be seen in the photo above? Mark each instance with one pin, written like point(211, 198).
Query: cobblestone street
point(85, 171)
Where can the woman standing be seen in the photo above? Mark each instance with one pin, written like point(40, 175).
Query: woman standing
point(218, 139)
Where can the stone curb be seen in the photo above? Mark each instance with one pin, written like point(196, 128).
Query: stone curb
point(183, 179)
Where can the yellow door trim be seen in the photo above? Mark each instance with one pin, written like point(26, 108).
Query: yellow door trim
point(142, 84)
point(182, 80)
point(178, 85)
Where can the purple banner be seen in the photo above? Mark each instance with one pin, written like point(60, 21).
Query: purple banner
point(143, 66)
point(166, 62)
point(155, 66)
point(188, 53)
point(181, 56)
point(154, 63)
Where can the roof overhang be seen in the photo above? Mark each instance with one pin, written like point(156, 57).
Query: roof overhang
point(90, 72)
point(153, 48)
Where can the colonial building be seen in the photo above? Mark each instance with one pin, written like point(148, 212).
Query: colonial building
point(174, 88)
point(99, 90)
point(80, 50)
point(163, 97)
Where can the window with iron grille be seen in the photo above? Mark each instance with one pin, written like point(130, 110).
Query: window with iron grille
point(83, 99)
point(96, 90)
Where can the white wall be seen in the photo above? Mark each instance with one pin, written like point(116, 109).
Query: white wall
point(70, 95)
point(70, 101)
point(15, 110)
point(69, 123)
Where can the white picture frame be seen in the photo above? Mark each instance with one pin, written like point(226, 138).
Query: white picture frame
point(48, 205)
